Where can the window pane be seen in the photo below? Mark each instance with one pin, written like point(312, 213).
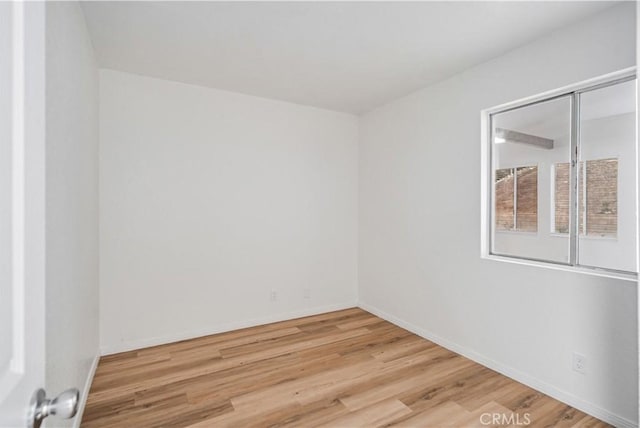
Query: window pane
point(561, 197)
point(527, 199)
point(601, 197)
point(516, 199)
point(607, 155)
point(526, 144)
point(504, 199)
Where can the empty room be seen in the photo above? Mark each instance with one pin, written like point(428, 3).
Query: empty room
point(318, 214)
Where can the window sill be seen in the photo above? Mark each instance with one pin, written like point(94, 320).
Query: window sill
point(516, 232)
point(625, 276)
point(586, 237)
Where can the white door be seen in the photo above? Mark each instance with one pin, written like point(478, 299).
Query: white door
point(22, 215)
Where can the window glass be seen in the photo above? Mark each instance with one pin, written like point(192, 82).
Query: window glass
point(598, 198)
point(600, 201)
point(606, 199)
point(516, 196)
point(527, 143)
point(527, 199)
point(561, 197)
point(505, 199)
point(548, 206)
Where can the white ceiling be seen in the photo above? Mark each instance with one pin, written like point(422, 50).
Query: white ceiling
point(345, 56)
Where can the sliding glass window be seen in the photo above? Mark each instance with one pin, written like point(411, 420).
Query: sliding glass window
point(563, 178)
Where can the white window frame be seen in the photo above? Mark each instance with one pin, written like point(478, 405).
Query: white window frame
point(487, 175)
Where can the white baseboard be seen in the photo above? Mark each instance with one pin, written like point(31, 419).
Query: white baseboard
point(545, 388)
point(221, 328)
point(85, 392)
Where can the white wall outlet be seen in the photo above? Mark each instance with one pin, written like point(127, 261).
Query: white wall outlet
point(273, 296)
point(579, 363)
point(307, 293)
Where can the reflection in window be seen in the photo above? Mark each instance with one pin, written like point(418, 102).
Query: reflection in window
point(597, 198)
point(516, 196)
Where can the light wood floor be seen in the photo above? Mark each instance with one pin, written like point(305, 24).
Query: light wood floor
point(341, 369)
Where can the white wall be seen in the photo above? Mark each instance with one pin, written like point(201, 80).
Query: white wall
point(71, 201)
point(209, 200)
point(419, 231)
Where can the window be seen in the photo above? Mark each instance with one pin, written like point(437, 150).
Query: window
point(597, 195)
point(562, 177)
point(561, 198)
point(516, 199)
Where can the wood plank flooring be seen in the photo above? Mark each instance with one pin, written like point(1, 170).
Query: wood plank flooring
point(340, 369)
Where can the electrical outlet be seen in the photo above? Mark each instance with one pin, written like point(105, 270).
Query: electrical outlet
point(273, 296)
point(579, 363)
point(307, 293)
